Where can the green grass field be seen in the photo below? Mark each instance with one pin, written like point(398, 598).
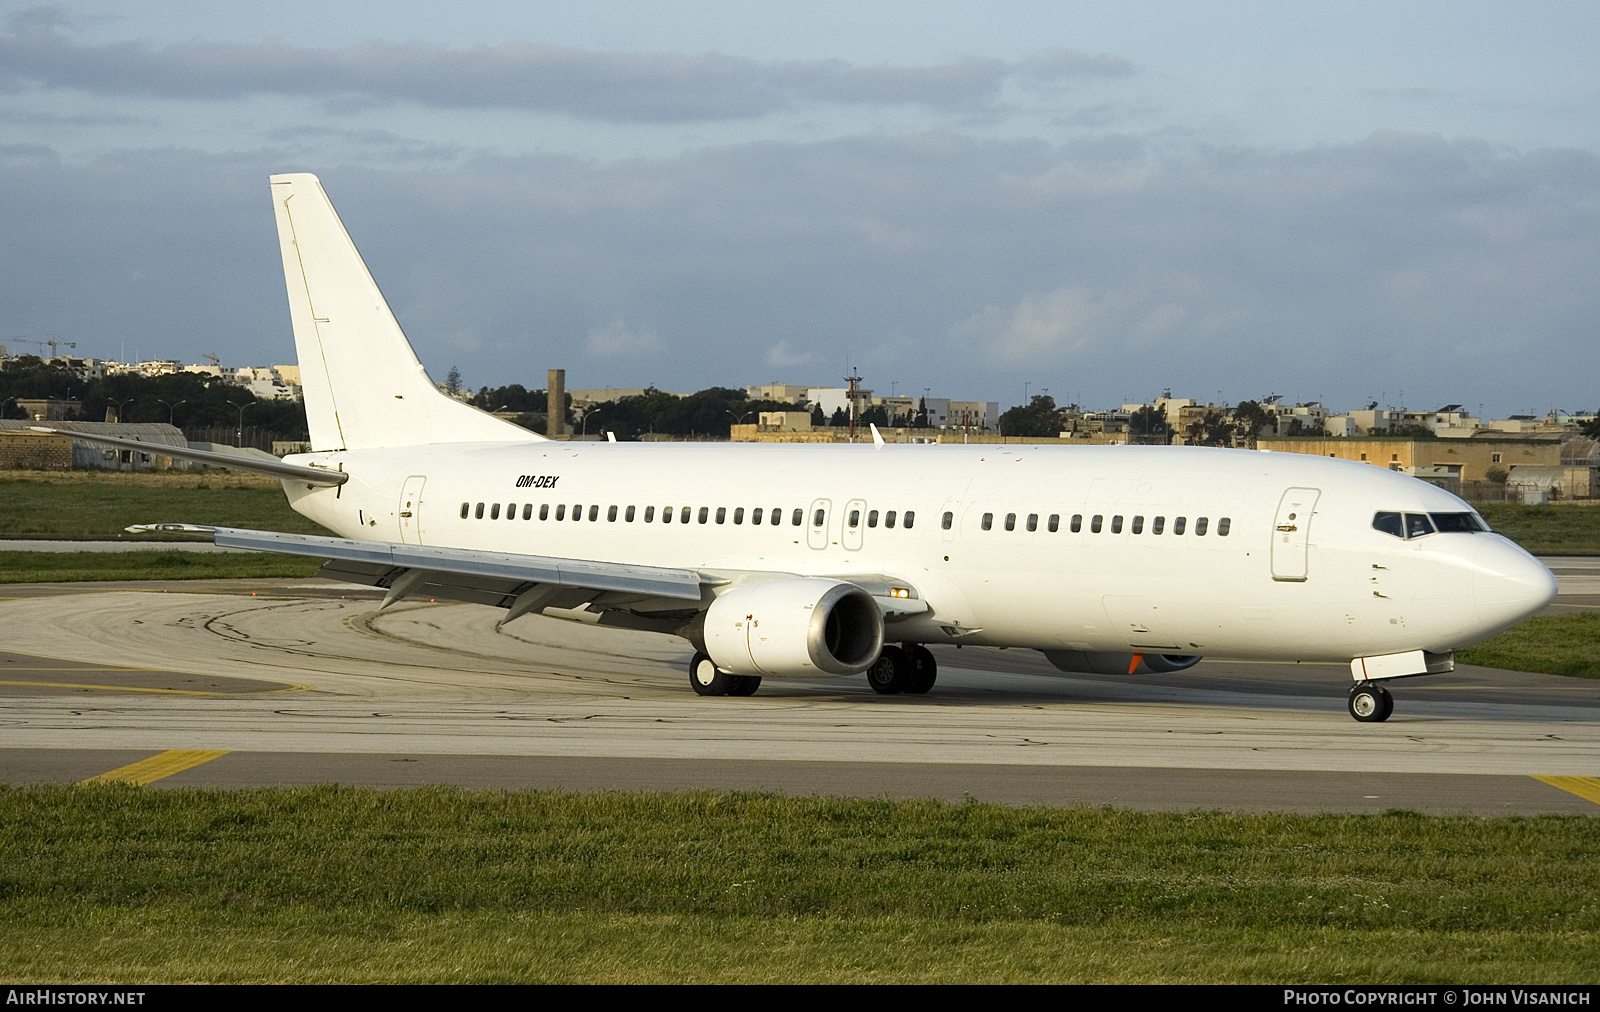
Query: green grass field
point(340, 884)
point(1553, 644)
point(89, 504)
point(1558, 529)
point(154, 564)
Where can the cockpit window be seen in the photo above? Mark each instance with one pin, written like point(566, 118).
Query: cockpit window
point(1420, 525)
point(1389, 523)
point(1458, 523)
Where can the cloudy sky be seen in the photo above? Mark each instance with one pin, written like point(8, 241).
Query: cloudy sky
point(1349, 202)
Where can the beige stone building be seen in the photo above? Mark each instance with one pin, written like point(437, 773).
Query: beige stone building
point(1464, 459)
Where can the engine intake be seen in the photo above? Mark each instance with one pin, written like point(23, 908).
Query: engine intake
point(795, 627)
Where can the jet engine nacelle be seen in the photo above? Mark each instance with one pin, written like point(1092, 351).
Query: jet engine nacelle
point(1109, 663)
point(795, 627)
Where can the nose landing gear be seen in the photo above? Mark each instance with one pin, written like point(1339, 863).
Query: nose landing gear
point(1369, 703)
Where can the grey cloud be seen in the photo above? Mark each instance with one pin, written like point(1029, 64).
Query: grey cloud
point(1455, 270)
point(623, 87)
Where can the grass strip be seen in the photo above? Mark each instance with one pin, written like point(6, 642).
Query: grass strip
point(74, 567)
point(1554, 644)
point(87, 504)
point(444, 884)
point(1552, 529)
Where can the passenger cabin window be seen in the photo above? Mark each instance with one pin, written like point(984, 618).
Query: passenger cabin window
point(1200, 527)
point(683, 515)
point(855, 518)
point(755, 517)
point(909, 520)
point(705, 514)
point(494, 511)
point(818, 519)
point(1223, 526)
point(1157, 524)
point(888, 519)
point(1055, 522)
point(649, 514)
point(799, 517)
point(1116, 524)
point(465, 509)
point(1094, 525)
point(1077, 522)
point(1177, 524)
point(666, 514)
point(738, 515)
point(1138, 525)
point(722, 515)
point(949, 518)
point(594, 513)
point(544, 511)
point(1033, 521)
point(628, 516)
point(561, 511)
point(872, 518)
point(1011, 521)
point(988, 521)
point(777, 516)
point(527, 511)
point(611, 514)
point(479, 513)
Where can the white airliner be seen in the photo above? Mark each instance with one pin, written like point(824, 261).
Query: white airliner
point(806, 561)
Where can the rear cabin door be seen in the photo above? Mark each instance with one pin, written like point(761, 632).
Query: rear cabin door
point(411, 510)
point(1291, 534)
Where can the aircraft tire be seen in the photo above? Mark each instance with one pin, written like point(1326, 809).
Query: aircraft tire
point(743, 685)
point(892, 673)
point(925, 670)
point(1370, 704)
point(707, 679)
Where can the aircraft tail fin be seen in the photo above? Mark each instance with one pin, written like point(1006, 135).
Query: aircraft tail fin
point(364, 386)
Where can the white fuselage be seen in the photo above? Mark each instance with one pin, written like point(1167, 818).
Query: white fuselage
point(1324, 585)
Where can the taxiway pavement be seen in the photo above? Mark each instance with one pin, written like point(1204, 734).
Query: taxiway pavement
point(289, 682)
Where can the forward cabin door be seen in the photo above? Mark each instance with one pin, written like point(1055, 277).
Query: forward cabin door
point(1291, 534)
point(411, 510)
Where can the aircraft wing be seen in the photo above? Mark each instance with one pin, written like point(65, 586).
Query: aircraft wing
point(518, 583)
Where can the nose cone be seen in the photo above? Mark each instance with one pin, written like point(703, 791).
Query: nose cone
point(1508, 584)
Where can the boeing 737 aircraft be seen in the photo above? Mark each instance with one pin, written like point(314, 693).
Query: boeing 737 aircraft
point(794, 561)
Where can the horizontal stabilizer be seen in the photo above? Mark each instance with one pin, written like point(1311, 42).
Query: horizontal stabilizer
point(264, 464)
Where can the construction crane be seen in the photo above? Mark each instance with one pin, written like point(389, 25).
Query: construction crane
point(52, 344)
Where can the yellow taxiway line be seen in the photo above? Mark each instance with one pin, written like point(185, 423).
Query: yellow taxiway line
point(1587, 788)
point(162, 764)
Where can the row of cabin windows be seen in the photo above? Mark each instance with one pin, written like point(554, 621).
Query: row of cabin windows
point(1158, 525)
point(685, 514)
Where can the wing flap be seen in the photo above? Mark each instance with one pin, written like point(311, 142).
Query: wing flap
point(492, 573)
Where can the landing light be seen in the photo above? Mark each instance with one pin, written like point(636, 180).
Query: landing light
point(899, 592)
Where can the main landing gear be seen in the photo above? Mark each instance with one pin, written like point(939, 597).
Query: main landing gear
point(1370, 703)
point(903, 669)
point(708, 680)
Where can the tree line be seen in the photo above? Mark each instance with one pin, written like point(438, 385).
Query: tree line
point(189, 401)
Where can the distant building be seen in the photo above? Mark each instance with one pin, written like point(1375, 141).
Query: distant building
point(783, 393)
point(1468, 459)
